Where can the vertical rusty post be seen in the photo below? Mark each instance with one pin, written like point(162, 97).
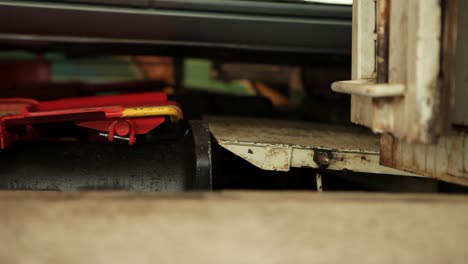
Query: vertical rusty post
point(447, 65)
point(383, 32)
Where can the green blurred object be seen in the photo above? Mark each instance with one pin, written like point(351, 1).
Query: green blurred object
point(96, 70)
point(197, 76)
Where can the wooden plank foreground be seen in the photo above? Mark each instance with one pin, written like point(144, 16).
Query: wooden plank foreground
point(232, 227)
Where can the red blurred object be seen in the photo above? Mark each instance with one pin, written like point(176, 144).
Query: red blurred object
point(121, 116)
point(25, 72)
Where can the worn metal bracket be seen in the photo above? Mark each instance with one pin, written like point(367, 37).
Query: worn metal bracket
point(283, 157)
point(279, 145)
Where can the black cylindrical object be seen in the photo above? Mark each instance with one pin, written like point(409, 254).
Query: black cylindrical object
point(170, 165)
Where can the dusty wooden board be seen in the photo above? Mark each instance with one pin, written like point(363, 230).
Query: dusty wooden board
point(279, 145)
point(232, 228)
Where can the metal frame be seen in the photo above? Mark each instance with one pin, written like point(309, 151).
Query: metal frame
point(318, 29)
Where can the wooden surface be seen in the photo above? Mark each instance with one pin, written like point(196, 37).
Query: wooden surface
point(232, 228)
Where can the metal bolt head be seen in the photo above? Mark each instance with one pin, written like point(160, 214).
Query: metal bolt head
point(322, 159)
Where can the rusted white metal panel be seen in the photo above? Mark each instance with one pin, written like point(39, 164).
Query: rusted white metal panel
point(447, 159)
point(279, 145)
point(363, 58)
point(409, 47)
point(425, 56)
